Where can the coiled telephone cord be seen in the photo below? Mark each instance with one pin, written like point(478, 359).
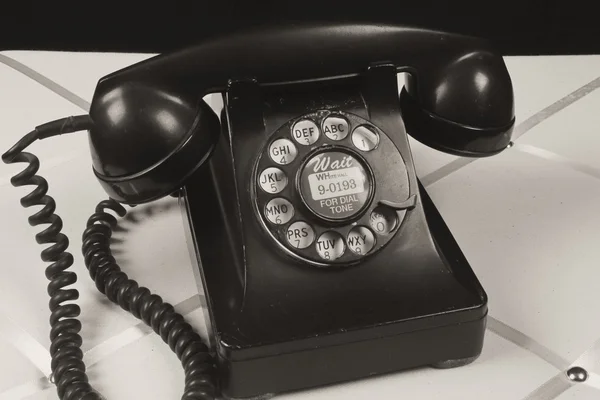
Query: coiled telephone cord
point(68, 367)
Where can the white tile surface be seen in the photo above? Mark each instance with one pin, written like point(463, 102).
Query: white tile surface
point(540, 81)
point(24, 104)
point(15, 369)
point(529, 227)
point(565, 135)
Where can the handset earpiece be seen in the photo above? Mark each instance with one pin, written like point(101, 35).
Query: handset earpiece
point(463, 107)
point(146, 140)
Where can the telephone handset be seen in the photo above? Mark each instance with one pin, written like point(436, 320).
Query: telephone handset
point(321, 256)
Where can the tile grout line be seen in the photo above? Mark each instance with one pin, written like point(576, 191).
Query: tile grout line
point(593, 381)
point(520, 129)
point(526, 342)
point(558, 385)
point(46, 82)
point(26, 389)
point(25, 344)
point(445, 170)
point(551, 389)
point(591, 356)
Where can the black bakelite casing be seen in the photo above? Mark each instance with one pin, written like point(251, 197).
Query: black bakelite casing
point(277, 324)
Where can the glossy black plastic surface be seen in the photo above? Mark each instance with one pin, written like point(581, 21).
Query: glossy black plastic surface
point(146, 140)
point(280, 325)
point(459, 82)
point(450, 137)
point(457, 77)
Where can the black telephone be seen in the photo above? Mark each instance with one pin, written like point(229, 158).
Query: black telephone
point(322, 257)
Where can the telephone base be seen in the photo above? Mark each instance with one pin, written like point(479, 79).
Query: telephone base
point(282, 320)
point(451, 337)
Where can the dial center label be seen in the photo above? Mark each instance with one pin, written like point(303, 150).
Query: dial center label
point(335, 185)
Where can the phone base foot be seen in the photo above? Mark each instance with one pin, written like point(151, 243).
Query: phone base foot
point(261, 397)
point(448, 364)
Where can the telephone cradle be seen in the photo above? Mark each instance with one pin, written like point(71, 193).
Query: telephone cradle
point(320, 254)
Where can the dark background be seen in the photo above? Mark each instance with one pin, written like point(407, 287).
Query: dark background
point(516, 27)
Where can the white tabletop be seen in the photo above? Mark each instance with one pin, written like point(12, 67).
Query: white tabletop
point(527, 220)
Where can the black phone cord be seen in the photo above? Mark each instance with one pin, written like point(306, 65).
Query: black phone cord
point(68, 368)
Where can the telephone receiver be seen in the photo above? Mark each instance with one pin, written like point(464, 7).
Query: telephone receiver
point(458, 96)
point(321, 256)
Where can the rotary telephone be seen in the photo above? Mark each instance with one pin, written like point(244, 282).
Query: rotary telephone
point(321, 255)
